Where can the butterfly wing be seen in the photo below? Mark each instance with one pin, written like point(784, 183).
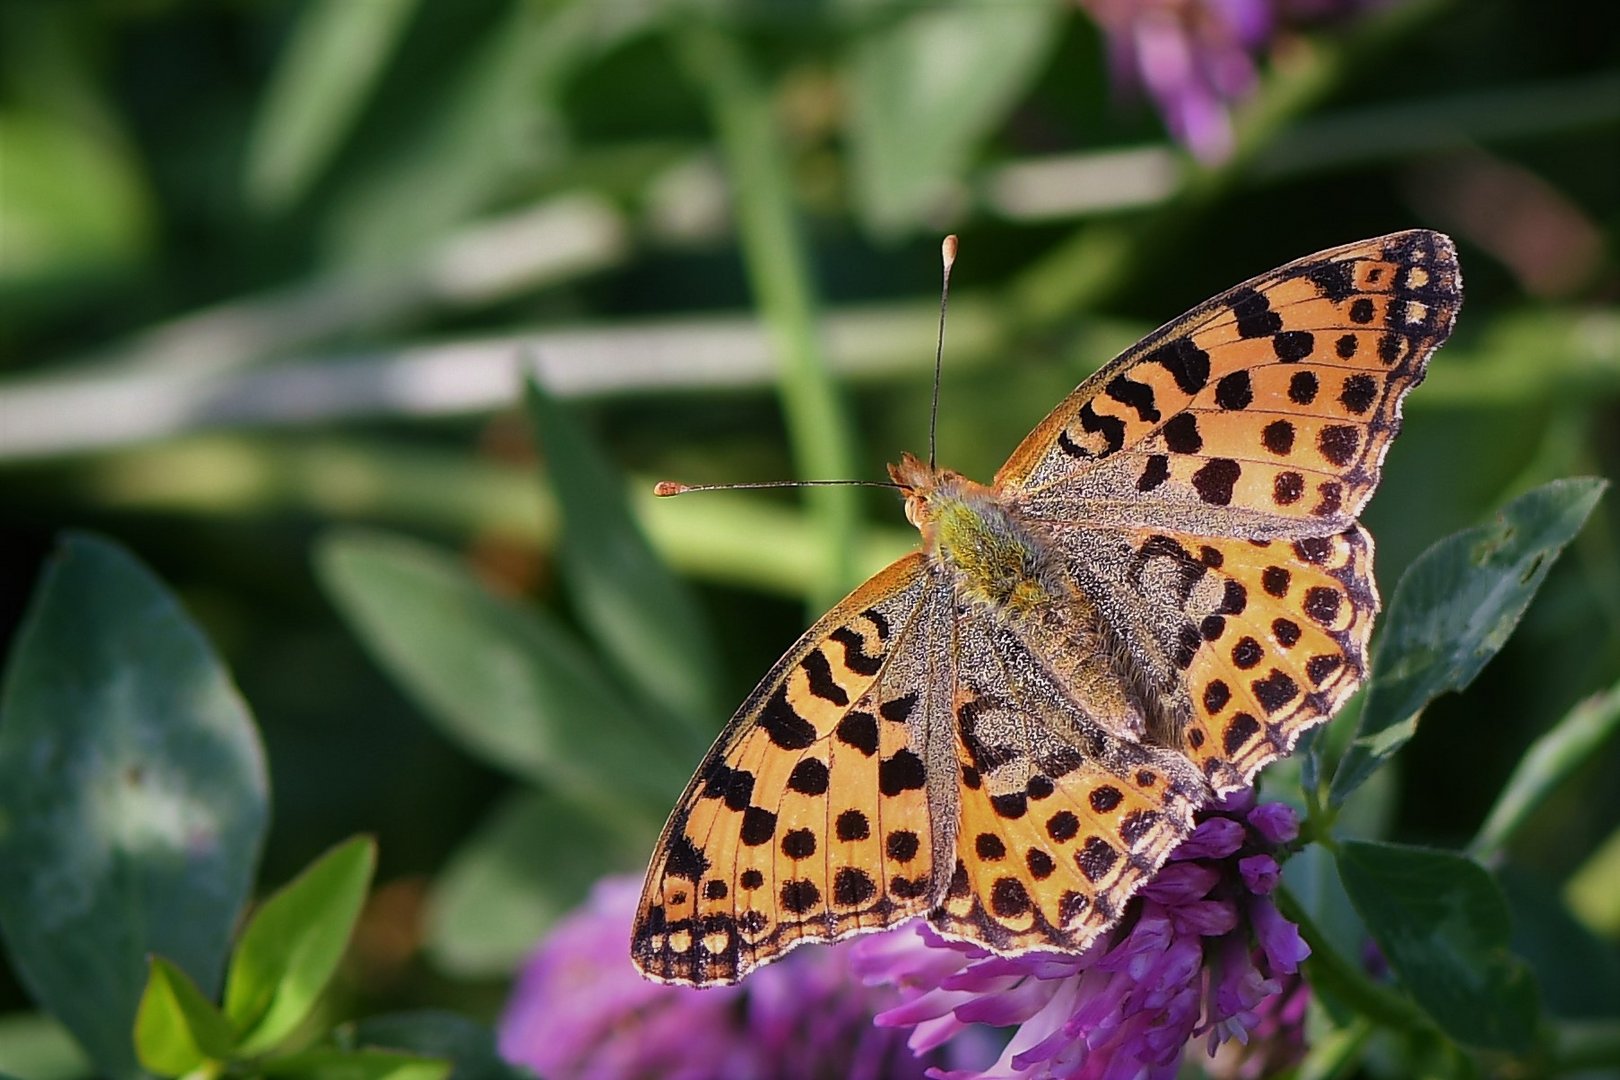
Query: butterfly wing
point(810, 819)
point(1063, 814)
point(1262, 413)
point(1234, 646)
point(1203, 489)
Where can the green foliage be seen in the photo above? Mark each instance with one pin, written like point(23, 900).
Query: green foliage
point(508, 683)
point(645, 618)
point(1453, 610)
point(523, 867)
point(176, 1027)
point(132, 796)
point(1443, 925)
point(438, 1034)
point(292, 945)
point(917, 121)
point(283, 963)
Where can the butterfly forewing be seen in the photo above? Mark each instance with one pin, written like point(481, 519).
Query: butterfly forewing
point(1261, 413)
point(809, 818)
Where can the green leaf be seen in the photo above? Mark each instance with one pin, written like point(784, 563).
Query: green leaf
point(39, 1047)
point(176, 1027)
point(329, 1064)
point(294, 943)
point(1550, 760)
point(327, 68)
point(507, 683)
point(1578, 972)
point(132, 796)
point(1453, 610)
point(1443, 925)
point(529, 863)
point(926, 88)
point(470, 1046)
point(640, 613)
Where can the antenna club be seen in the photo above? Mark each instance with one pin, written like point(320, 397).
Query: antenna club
point(947, 251)
point(665, 488)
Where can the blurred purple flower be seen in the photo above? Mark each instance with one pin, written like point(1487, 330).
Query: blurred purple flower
point(1203, 952)
point(581, 1010)
point(1196, 58)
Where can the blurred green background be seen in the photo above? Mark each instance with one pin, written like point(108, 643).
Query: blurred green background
point(271, 269)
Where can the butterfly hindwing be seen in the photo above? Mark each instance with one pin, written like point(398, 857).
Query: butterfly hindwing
point(1061, 819)
point(1245, 643)
point(1261, 413)
point(809, 818)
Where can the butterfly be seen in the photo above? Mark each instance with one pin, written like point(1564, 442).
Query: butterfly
point(1007, 731)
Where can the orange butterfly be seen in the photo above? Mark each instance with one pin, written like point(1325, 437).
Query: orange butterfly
point(1008, 731)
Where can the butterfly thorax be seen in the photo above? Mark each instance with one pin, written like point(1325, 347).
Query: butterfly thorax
point(998, 559)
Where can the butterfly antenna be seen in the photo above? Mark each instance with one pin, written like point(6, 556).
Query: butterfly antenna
point(947, 254)
point(666, 488)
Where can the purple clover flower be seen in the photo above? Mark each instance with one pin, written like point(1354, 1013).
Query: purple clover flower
point(580, 1009)
point(1197, 58)
point(1202, 952)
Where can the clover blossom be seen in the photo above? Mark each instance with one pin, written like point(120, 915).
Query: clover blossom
point(580, 1009)
point(1197, 58)
point(1202, 952)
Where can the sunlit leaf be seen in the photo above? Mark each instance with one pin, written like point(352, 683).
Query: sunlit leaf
point(176, 1028)
point(326, 70)
point(533, 859)
point(293, 944)
point(329, 1064)
point(1578, 971)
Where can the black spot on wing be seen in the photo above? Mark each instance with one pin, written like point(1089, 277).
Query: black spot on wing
point(896, 710)
point(1254, 315)
point(852, 886)
point(1111, 428)
point(859, 730)
point(1181, 435)
point(735, 786)
point(1334, 280)
point(1135, 395)
point(1185, 361)
point(1239, 730)
point(1215, 480)
point(1292, 346)
point(1234, 391)
point(819, 672)
point(809, 777)
point(855, 656)
point(902, 772)
point(685, 861)
point(1154, 473)
point(786, 728)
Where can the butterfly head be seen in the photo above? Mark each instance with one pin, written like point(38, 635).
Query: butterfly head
point(969, 528)
point(920, 483)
